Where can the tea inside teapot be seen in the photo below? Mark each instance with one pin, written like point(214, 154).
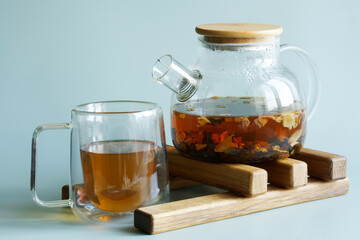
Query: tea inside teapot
point(231, 129)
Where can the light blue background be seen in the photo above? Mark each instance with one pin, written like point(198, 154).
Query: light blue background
point(55, 55)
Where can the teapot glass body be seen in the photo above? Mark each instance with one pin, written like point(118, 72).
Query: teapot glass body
point(238, 103)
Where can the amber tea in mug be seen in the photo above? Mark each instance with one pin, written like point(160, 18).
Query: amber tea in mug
point(118, 174)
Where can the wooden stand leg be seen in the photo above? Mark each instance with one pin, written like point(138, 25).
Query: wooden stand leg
point(177, 182)
point(323, 165)
point(238, 178)
point(288, 173)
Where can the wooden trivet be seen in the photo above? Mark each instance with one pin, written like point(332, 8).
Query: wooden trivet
point(288, 180)
point(239, 178)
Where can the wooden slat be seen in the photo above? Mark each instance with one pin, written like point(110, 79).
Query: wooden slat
point(288, 173)
point(237, 178)
point(323, 165)
point(177, 182)
point(190, 212)
point(65, 192)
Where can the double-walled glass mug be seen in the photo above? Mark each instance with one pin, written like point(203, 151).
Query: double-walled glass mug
point(118, 159)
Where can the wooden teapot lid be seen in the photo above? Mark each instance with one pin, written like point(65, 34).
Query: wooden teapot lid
point(238, 32)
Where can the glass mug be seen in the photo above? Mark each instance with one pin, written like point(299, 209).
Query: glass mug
point(118, 159)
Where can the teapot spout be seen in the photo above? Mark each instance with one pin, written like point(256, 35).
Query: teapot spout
point(176, 77)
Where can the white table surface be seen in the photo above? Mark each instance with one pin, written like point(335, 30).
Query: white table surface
point(333, 218)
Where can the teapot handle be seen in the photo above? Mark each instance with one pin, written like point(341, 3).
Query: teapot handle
point(313, 95)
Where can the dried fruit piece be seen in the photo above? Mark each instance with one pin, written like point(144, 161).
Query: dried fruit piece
point(237, 140)
point(180, 136)
point(290, 122)
point(224, 135)
point(200, 146)
point(238, 119)
point(202, 121)
point(263, 150)
point(276, 148)
point(221, 106)
point(261, 121)
point(257, 123)
point(196, 137)
point(288, 119)
point(215, 138)
point(243, 120)
point(262, 143)
point(295, 136)
point(295, 148)
point(227, 143)
point(246, 122)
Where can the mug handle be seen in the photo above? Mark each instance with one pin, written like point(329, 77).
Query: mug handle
point(313, 95)
point(37, 200)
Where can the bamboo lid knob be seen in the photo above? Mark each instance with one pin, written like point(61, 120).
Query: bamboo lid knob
point(238, 32)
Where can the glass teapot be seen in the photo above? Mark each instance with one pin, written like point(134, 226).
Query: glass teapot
point(238, 103)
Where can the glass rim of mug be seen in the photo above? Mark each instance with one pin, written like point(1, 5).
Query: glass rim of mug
point(91, 108)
